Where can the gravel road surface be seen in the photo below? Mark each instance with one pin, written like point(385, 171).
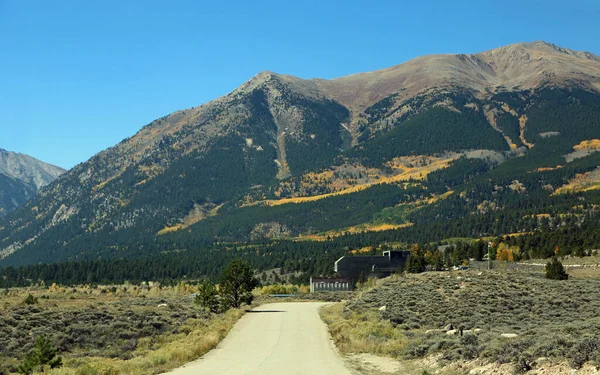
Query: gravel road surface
point(273, 339)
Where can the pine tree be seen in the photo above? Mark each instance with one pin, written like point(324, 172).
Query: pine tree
point(237, 283)
point(207, 296)
point(438, 261)
point(416, 261)
point(44, 354)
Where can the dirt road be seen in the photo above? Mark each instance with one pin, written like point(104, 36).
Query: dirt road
point(274, 339)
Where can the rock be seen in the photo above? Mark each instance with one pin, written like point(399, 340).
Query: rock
point(434, 331)
point(162, 305)
point(382, 308)
point(509, 335)
point(448, 327)
point(477, 330)
point(480, 273)
point(452, 332)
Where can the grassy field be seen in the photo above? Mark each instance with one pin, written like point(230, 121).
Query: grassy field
point(110, 330)
point(509, 319)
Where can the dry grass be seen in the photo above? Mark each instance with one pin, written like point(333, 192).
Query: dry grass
point(111, 330)
point(173, 350)
point(283, 289)
point(362, 332)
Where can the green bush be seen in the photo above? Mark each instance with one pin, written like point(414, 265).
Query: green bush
point(586, 350)
point(470, 346)
point(44, 354)
point(30, 300)
point(522, 364)
point(207, 296)
point(555, 270)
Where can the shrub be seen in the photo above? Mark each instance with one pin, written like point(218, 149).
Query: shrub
point(555, 270)
point(470, 346)
point(43, 354)
point(522, 365)
point(30, 300)
point(586, 350)
point(207, 296)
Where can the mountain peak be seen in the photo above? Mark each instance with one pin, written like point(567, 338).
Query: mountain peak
point(28, 169)
point(540, 47)
point(275, 81)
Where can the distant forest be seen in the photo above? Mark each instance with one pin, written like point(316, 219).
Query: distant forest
point(514, 202)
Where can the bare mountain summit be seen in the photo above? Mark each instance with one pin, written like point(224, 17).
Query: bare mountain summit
point(510, 68)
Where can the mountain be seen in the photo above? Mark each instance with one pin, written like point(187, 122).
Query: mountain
point(465, 145)
point(21, 177)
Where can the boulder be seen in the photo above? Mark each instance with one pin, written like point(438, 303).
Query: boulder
point(509, 335)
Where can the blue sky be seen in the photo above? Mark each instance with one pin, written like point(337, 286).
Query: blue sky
point(79, 76)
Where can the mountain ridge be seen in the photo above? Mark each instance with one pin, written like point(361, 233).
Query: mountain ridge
point(22, 177)
point(410, 74)
point(278, 136)
point(28, 169)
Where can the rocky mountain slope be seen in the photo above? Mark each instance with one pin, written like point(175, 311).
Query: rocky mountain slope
point(21, 177)
point(514, 67)
point(352, 149)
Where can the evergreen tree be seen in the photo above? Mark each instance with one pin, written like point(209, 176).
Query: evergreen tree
point(416, 260)
point(237, 283)
point(207, 296)
point(555, 270)
point(438, 261)
point(44, 354)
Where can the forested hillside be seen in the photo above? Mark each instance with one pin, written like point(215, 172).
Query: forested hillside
point(13, 193)
point(293, 173)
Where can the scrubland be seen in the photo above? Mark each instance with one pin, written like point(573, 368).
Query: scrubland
point(509, 320)
point(110, 330)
